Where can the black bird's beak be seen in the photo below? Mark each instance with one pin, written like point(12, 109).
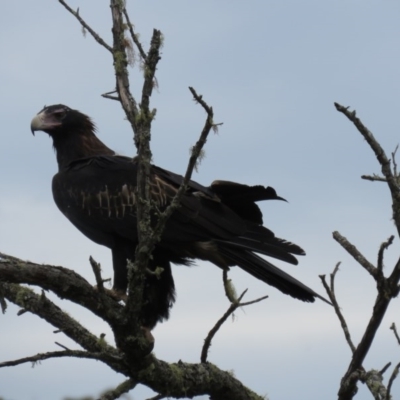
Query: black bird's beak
point(36, 124)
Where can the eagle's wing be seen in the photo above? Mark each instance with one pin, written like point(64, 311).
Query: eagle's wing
point(221, 223)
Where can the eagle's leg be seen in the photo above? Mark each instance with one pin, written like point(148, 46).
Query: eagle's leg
point(159, 289)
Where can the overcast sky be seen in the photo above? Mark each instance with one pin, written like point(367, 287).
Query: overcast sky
point(271, 70)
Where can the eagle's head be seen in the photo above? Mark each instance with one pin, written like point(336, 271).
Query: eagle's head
point(58, 119)
point(72, 132)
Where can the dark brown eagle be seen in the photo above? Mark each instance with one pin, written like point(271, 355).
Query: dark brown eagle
point(95, 189)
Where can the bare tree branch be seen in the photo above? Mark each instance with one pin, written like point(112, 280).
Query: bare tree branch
point(158, 397)
point(235, 304)
point(394, 329)
point(134, 36)
point(387, 287)
point(122, 388)
point(95, 35)
point(394, 375)
point(109, 96)
point(394, 161)
point(374, 381)
point(373, 178)
point(44, 308)
point(54, 354)
point(355, 253)
point(63, 282)
point(385, 368)
point(195, 154)
point(194, 380)
point(128, 102)
point(96, 267)
point(332, 297)
point(384, 161)
point(383, 247)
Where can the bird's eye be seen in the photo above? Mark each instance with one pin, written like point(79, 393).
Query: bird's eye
point(59, 114)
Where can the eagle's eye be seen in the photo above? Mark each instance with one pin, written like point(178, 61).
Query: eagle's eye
point(59, 114)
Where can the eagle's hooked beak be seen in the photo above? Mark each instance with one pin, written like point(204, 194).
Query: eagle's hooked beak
point(36, 123)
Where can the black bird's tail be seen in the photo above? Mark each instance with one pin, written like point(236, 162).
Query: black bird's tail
point(240, 250)
point(266, 272)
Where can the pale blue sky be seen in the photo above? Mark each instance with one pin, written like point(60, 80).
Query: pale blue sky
point(272, 71)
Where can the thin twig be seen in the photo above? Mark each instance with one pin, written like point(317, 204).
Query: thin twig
point(158, 397)
point(384, 161)
point(394, 161)
point(333, 276)
point(108, 96)
point(391, 380)
point(394, 329)
point(3, 303)
point(207, 341)
point(355, 253)
point(53, 354)
point(195, 154)
point(134, 36)
point(62, 346)
point(374, 178)
point(382, 248)
point(232, 308)
point(95, 35)
point(332, 296)
point(122, 388)
point(385, 368)
point(96, 267)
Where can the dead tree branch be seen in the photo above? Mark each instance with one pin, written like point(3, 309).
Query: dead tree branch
point(235, 304)
point(122, 388)
point(85, 26)
point(387, 288)
point(383, 160)
point(332, 297)
point(54, 354)
point(356, 254)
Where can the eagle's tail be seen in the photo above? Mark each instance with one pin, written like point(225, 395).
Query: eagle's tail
point(262, 269)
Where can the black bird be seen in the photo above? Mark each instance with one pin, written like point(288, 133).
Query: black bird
point(95, 189)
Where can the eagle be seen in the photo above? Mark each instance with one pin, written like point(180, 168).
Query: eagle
point(95, 188)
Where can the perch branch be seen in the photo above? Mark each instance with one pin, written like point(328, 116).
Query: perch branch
point(64, 283)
